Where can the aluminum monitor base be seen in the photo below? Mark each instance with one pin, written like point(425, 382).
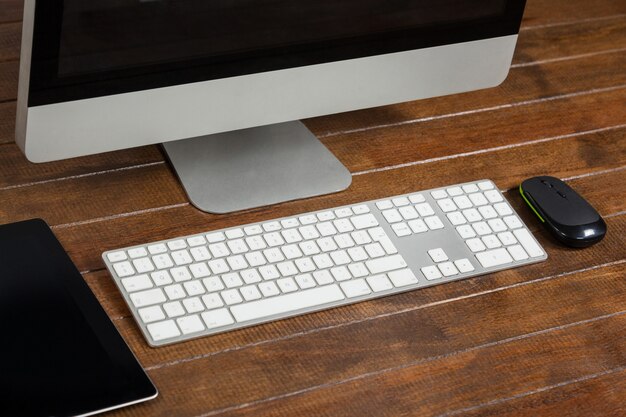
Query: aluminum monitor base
point(256, 167)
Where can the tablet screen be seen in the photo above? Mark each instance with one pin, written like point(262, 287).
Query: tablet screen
point(61, 354)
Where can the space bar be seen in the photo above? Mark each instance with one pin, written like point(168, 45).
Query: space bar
point(286, 303)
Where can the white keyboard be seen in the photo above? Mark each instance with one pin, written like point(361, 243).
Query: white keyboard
point(224, 280)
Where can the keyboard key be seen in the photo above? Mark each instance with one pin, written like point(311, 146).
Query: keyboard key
point(180, 274)
point(196, 241)
point(182, 257)
point(493, 196)
point(305, 281)
point(340, 257)
point(199, 270)
point(364, 221)
point(123, 269)
point(456, 218)
point(250, 276)
point(475, 245)
point(454, 191)
point(161, 278)
point(434, 223)
point(212, 301)
point(343, 212)
point(482, 228)
point(325, 216)
point(418, 226)
point(358, 270)
point(386, 264)
point(472, 215)
point(250, 292)
point(162, 261)
point(384, 205)
point(507, 238)
point(513, 222)
point(400, 201)
point(528, 242)
point(478, 199)
point(470, 188)
point(163, 330)
point(439, 194)
point(417, 198)
point(271, 226)
point(424, 209)
point(340, 273)
point(446, 205)
point(215, 237)
point(193, 305)
point(287, 303)
point(177, 244)
point(231, 297)
point(402, 278)
point(388, 246)
point(517, 252)
point(308, 219)
point(375, 250)
point(408, 213)
point(174, 309)
point(361, 209)
point(217, 318)
point(462, 202)
point(117, 256)
point(466, 231)
point(200, 253)
point(503, 209)
point(486, 185)
point(487, 212)
point(269, 289)
point(157, 248)
point(190, 324)
point(392, 216)
point(174, 292)
point(401, 229)
point(355, 288)
point(491, 241)
point(269, 272)
point(497, 225)
point(323, 277)
point(194, 288)
point(448, 269)
point(379, 283)
point(495, 257)
point(147, 298)
point(213, 284)
point(151, 314)
point(431, 272)
point(437, 255)
point(137, 283)
point(287, 223)
point(253, 230)
point(464, 265)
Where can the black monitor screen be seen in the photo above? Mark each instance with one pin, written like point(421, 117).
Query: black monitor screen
point(92, 48)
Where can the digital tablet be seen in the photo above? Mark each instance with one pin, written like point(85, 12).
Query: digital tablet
point(60, 353)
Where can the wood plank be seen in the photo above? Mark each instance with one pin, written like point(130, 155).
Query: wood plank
point(7, 122)
point(604, 191)
point(17, 171)
point(384, 354)
point(9, 72)
point(91, 197)
point(460, 381)
point(600, 396)
point(406, 143)
point(10, 38)
point(507, 167)
point(524, 86)
point(11, 10)
point(573, 39)
point(559, 265)
point(552, 12)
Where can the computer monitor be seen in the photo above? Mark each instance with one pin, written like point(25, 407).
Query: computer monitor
point(223, 83)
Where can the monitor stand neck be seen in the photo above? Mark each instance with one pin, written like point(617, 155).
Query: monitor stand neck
point(256, 167)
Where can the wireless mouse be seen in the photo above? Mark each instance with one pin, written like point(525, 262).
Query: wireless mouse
point(568, 216)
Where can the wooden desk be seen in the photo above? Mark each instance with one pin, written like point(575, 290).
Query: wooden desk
point(542, 340)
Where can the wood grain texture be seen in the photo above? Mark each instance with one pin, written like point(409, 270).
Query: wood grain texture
point(542, 340)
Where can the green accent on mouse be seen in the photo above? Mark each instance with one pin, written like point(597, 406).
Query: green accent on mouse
point(530, 205)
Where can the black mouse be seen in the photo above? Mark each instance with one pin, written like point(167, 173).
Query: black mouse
point(568, 216)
